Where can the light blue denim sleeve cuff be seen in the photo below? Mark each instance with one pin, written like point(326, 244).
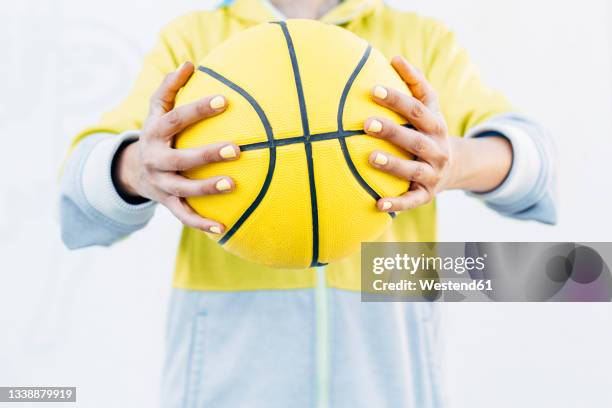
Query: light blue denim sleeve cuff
point(529, 190)
point(91, 210)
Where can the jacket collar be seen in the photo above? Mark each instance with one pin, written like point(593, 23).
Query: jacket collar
point(260, 11)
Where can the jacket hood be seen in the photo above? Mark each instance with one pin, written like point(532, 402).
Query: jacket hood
point(261, 11)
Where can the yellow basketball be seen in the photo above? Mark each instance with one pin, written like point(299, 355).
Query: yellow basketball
point(298, 94)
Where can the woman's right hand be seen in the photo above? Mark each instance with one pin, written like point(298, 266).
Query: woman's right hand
point(149, 167)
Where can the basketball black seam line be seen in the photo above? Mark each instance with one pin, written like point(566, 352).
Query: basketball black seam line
point(318, 137)
point(272, 154)
point(347, 155)
point(299, 139)
point(307, 144)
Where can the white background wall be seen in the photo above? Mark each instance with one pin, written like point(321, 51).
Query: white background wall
point(94, 318)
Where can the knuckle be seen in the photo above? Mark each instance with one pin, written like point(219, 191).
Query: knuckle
point(411, 204)
point(436, 178)
point(149, 161)
point(417, 110)
point(173, 119)
point(392, 163)
point(210, 155)
point(444, 157)
point(403, 205)
point(169, 201)
point(176, 162)
point(208, 187)
point(419, 170)
point(392, 130)
point(167, 100)
point(440, 128)
point(177, 190)
point(150, 178)
point(420, 143)
point(176, 201)
point(163, 200)
point(443, 161)
point(393, 97)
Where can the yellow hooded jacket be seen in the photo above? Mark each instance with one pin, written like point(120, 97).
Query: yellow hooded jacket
point(201, 263)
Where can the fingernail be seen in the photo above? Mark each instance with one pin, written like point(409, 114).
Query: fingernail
point(217, 102)
point(227, 152)
point(181, 66)
point(387, 206)
point(215, 230)
point(381, 160)
point(223, 185)
point(380, 92)
point(375, 126)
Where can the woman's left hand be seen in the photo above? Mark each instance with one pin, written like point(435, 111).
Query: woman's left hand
point(431, 170)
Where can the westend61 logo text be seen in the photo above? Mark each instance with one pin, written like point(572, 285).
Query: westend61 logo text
point(412, 264)
point(486, 271)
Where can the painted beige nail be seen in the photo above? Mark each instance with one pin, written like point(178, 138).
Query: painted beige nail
point(215, 230)
point(217, 102)
point(381, 159)
point(380, 92)
point(375, 126)
point(387, 206)
point(227, 152)
point(223, 185)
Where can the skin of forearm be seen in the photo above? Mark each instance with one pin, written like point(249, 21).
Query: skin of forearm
point(126, 169)
point(479, 164)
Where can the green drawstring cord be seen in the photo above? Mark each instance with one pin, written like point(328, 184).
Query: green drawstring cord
point(322, 340)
